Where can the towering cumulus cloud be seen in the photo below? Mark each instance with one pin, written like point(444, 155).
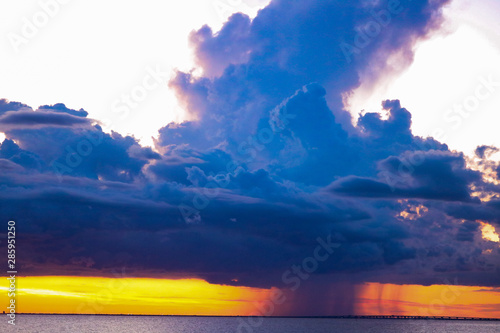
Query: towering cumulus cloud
point(268, 168)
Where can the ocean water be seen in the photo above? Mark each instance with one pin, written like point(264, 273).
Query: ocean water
point(140, 324)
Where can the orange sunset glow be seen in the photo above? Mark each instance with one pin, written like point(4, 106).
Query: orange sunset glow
point(138, 296)
point(436, 300)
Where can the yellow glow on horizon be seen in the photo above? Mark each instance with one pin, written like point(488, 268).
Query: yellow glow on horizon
point(145, 296)
point(489, 233)
point(97, 295)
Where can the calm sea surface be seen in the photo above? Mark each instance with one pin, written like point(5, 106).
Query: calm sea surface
point(112, 324)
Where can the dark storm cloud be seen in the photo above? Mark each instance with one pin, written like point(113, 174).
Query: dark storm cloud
point(467, 231)
point(482, 151)
point(10, 150)
point(63, 109)
point(37, 119)
point(487, 212)
point(6, 106)
point(269, 162)
point(15, 115)
point(82, 150)
point(437, 175)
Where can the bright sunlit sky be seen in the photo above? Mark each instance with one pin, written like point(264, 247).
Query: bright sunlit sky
point(89, 59)
point(446, 73)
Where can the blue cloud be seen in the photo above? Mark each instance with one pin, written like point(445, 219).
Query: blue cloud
point(29, 119)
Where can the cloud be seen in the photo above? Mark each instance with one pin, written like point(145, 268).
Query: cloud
point(268, 162)
point(9, 166)
point(6, 106)
point(438, 175)
point(483, 151)
point(266, 60)
point(10, 151)
point(38, 119)
point(63, 109)
point(467, 231)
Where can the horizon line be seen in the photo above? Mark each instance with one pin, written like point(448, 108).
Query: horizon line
point(402, 317)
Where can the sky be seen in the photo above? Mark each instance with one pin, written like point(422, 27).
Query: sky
point(468, 40)
point(95, 52)
point(322, 157)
